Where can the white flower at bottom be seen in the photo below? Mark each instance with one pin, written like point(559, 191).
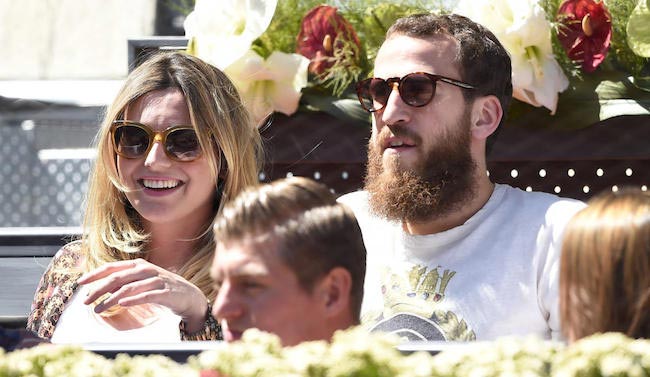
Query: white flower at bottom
point(269, 85)
point(521, 26)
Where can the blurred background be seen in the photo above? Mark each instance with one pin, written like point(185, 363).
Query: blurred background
point(62, 63)
point(64, 60)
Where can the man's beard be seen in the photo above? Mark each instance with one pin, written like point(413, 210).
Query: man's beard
point(440, 183)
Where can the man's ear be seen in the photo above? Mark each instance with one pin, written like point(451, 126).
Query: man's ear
point(486, 116)
point(333, 292)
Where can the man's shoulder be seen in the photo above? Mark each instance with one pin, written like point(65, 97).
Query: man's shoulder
point(536, 208)
point(539, 201)
point(354, 196)
point(357, 201)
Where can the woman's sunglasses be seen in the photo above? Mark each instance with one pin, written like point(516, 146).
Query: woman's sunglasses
point(416, 89)
point(134, 140)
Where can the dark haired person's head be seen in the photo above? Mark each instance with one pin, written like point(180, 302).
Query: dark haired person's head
point(482, 60)
point(441, 87)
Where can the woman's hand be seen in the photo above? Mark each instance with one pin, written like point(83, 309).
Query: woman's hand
point(137, 281)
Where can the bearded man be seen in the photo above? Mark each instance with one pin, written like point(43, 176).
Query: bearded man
point(451, 255)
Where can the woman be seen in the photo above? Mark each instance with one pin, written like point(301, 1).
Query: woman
point(605, 267)
point(175, 145)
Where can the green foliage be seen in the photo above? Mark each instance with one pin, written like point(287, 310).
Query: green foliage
point(588, 99)
point(609, 354)
point(284, 28)
point(181, 6)
point(503, 357)
point(148, 366)
point(570, 68)
point(352, 353)
point(48, 360)
point(370, 19)
point(347, 70)
point(372, 22)
point(624, 56)
point(591, 97)
point(638, 29)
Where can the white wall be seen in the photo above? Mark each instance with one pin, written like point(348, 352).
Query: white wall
point(70, 39)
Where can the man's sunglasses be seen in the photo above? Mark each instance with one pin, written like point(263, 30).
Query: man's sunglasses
point(134, 140)
point(416, 89)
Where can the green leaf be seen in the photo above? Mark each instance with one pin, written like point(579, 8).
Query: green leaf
point(372, 21)
point(284, 28)
point(605, 94)
point(638, 29)
point(191, 46)
point(346, 108)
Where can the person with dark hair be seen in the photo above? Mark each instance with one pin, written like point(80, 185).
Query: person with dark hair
point(605, 267)
point(451, 255)
point(175, 145)
point(12, 339)
point(290, 260)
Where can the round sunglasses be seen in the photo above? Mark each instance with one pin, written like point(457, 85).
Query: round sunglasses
point(134, 140)
point(416, 89)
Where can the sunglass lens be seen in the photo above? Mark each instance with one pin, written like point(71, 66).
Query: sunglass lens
point(417, 89)
point(363, 92)
point(373, 93)
point(183, 144)
point(131, 141)
point(380, 91)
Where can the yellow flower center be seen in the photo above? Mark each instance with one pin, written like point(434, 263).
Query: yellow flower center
point(327, 43)
point(534, 56)
point(586, 25)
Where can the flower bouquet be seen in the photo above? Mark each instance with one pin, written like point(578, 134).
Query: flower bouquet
point(574, 62)
point(352, 352)
point(610, 354)
point(48, 360)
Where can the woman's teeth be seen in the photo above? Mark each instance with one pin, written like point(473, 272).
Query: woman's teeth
point(157, 184)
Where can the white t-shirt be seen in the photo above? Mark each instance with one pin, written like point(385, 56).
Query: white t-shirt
point(80, 324)
point(495, 275)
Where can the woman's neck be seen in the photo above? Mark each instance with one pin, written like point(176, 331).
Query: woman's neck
point(172, 245)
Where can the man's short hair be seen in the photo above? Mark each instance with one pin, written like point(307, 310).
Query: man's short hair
point(301, 219)
point(483, 61)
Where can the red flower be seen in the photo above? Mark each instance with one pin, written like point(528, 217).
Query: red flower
point(585, 31)
point(324, 36)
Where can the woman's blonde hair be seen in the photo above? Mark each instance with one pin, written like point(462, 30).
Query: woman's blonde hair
point(605, 267)
point(228, 137)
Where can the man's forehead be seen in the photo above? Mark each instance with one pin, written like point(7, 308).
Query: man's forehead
point(401, 54)
point(242, 258)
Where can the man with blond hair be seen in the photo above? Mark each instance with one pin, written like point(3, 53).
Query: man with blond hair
point(290, 260)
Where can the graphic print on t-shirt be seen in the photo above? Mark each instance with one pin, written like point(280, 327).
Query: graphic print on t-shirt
point(411, 309)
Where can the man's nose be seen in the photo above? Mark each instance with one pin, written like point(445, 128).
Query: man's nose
point(226, 305)
point(396, 110)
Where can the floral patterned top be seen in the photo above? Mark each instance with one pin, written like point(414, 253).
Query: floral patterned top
point(59, 283)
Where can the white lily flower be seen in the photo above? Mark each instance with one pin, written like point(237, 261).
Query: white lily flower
point(221, 31)
point(269, 85)
point(521, 26)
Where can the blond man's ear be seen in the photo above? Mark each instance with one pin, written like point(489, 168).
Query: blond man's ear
point(333, 292)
